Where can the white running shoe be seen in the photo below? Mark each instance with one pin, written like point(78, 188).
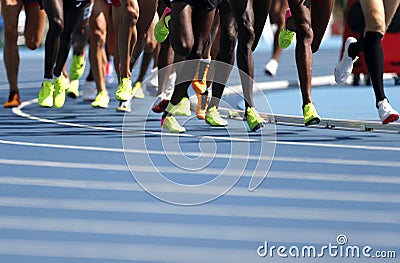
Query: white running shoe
point(154, 77)
point(89, 92)
point(271, 67)
point(344, 68)
point(386, 112)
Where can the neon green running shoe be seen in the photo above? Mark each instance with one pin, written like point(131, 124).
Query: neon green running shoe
point(171, 124)
point(137, 91)
point(45, 98)
point(213, 118)
point(254, 120)
point(102, 100)
point(181, 109)
point(311, 116)
point(59, 92)
point(73, 89)
point(77, 67)
point(287, 34)
point(124, 91)
point(161, 29)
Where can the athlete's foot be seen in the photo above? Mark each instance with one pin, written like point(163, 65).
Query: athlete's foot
point(161, 106)
point(386, 113)
point(102, 100)
point(183, 108)
point(73, 89)
point(254, 120)
point(213, 118)
point(77, 67)
point(161, 29)
point(110, 72)
point(137, 90)
point(124, 106)
point(171, 124)
point(13, 100)
point(152, 85)
point(344, 68)
point(45, 97)
point(202, 104)
point(59, 92)
point(89, 92)
point(288, 32)
point(271, 67)
point(124, 90)
point(310, 114)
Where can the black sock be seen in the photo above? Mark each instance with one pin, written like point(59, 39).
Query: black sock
point(356, 48)
point(373, 53)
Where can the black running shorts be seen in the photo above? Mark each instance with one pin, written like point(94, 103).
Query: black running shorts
point(197, 4)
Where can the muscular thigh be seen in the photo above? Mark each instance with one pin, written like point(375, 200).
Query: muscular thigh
point(374, 13)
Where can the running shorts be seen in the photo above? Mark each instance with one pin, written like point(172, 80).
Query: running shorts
point(197, 4)
point(31, 3)
point(114, 2)
point(75, 3)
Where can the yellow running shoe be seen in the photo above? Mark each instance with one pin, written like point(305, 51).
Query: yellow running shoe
point(137, 91)
point(124, 91)
point(45, 98)
point(287, 34)
point(171, 124)
point(311, 116)
point(254, 120)
point(214, 119)
point(102, 100)
point(161, 29)
point(183, 108)
point(73, 89)
point(77, 67)
point(59, 92)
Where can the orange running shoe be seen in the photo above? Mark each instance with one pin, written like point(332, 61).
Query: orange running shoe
point(199, 83)
point(13, 100)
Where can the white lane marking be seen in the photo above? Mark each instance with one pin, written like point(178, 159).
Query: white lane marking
point(137, 228)
point(286, 193)
point(236, 172)
point(123, 251)
point(94, 148)
point(247, 211)
point(18, 111)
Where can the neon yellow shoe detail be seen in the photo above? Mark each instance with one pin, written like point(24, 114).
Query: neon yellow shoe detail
point(254, 120)
point(102, 100)
point(311, 116)
point(59, 92)
point(181, 109)
point(213, 118)
point(45, 98)
point(124, 91)
point(77, 67)
point(172, 125)
point(161, 29)
point(73, 89)
point(287, 34)
point(137, 91)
